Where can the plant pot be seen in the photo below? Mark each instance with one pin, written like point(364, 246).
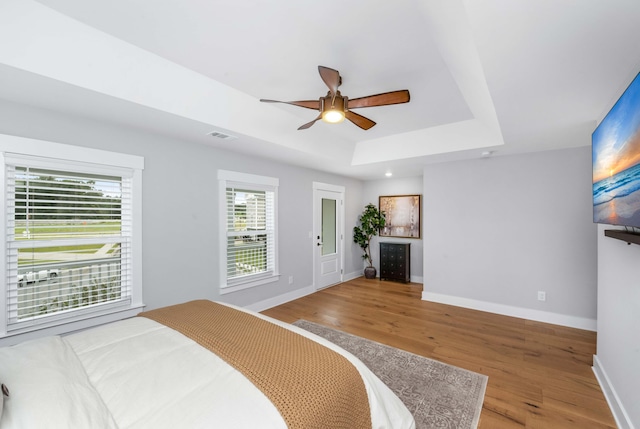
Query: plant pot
point(370, 272)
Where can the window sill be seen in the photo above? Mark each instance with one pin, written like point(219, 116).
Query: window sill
point(90, 321)
point(225, 289)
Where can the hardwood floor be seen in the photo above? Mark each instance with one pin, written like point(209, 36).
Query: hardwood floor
point(539, 374)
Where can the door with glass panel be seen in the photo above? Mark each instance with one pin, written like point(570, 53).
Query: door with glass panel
point(328, 237)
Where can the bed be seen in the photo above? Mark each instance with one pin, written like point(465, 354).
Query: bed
point(194, 365)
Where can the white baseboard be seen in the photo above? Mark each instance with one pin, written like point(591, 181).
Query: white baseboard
point(507, 310)
point(299, 293)
point(281, 299)
point(356, 274)
point(351, 276)
point(619, 413)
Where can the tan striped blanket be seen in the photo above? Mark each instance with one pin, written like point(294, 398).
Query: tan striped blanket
point(310, 385)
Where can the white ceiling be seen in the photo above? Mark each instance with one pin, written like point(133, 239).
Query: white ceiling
point(505, 76)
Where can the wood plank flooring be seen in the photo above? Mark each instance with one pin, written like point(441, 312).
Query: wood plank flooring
point(539, 374)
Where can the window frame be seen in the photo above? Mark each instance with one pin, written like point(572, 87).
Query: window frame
point(248, 182)
point(66, 156)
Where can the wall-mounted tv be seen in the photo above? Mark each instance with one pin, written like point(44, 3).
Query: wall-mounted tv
point(616, 162)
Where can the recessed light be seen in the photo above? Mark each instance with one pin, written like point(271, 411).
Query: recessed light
point(388, 174)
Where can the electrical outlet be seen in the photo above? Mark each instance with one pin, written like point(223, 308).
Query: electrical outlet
point(290, 280)
point(542, 295)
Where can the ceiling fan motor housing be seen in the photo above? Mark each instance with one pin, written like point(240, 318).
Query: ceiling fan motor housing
point(333, 108)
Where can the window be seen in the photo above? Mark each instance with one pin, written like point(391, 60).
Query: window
point(248, 230)
point(70, 229)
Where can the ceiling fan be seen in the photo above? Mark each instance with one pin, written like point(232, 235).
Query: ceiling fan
point(335, 107)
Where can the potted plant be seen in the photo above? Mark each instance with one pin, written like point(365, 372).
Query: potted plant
point(371, 220)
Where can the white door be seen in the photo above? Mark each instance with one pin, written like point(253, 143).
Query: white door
point(328, 234)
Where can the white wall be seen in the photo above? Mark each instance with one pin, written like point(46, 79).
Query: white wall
point(180, 207)
point(498, 230)
point(617, 363)
point(390, 186)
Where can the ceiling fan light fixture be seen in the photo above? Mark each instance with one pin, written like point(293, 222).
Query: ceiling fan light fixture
point(332, 108)
point(333, 116)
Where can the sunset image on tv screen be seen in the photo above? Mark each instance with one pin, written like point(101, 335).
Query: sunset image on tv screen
point(616, 162)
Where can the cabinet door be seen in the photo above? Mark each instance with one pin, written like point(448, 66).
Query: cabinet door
point(401, 261)
point(384, 260)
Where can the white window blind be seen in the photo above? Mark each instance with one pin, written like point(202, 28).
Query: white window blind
point(68, 239)
point(250, 230)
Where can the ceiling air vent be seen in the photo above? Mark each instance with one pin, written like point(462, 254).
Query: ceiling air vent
point(222, 136)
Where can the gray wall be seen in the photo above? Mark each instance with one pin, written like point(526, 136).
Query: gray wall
point(498, 230)
point(401, 186)
point(618, 355)
point(180, 206)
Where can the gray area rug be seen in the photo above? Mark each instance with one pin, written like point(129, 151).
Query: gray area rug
point(437, 394)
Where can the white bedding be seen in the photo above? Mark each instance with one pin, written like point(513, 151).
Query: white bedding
point(49, 388)
point(141, 374)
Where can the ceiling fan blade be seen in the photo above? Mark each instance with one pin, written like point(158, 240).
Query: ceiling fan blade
point(308, 124)
point(330, 77)
point(359, 120)
point(385, 99)
point(308, 104)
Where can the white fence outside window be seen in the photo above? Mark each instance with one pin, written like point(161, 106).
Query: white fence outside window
point(48, 291)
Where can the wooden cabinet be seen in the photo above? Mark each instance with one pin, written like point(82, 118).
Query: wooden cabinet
point(395, 261)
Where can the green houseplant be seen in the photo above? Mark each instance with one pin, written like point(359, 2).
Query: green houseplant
point(371, 220)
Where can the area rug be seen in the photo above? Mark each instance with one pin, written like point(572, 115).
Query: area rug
point(437, 394)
